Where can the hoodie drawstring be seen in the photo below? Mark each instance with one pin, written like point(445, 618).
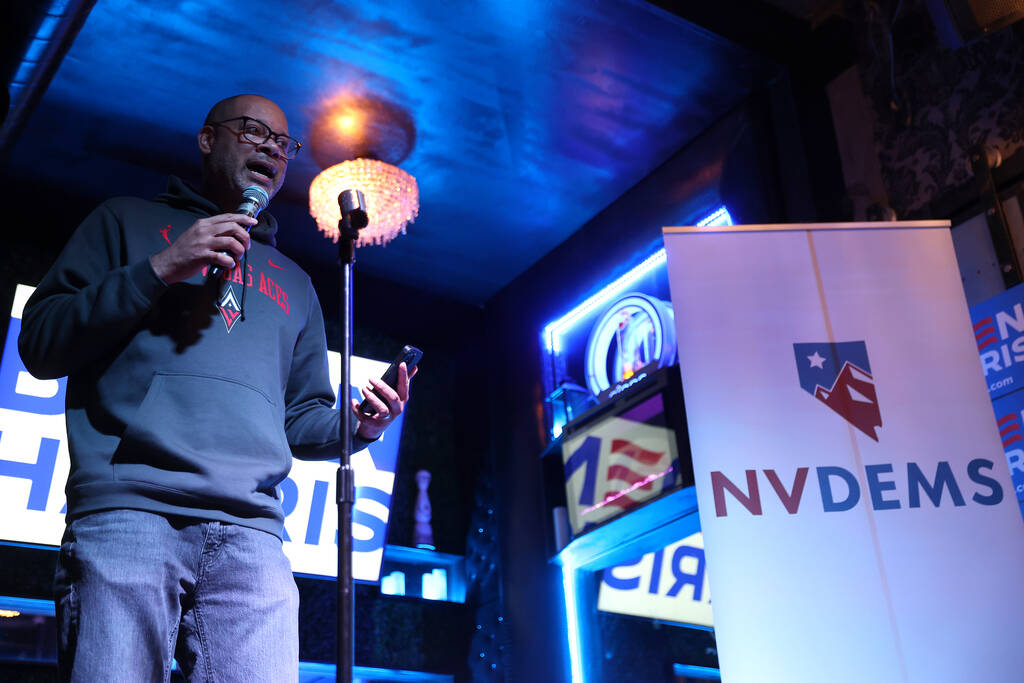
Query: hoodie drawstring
point(245, 270)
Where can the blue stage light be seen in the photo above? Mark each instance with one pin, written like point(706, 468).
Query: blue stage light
point(719, 217)
point(572, 622)
point(698, 673)
point(554, 331)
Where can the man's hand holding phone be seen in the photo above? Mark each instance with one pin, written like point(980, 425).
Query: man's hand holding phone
point(385, 398)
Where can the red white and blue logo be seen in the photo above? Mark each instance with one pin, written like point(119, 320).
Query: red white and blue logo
point(618, 463)
point(629, 475)
point(630, 468)
point(839, 375)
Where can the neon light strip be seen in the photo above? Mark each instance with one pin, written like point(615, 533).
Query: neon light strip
point(702, 673)
point(719, 217)
point(625, 492)
point(44, 608)
point(553, 331)
point(572, 623)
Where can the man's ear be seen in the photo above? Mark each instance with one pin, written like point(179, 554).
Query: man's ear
point(205, 139)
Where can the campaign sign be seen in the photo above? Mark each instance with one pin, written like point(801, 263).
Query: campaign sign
point(1010, 420)
point(999, 334)
point(858, 511)
point(615, 465)
point(670, 584)
point(34, 461)
point(34, 466)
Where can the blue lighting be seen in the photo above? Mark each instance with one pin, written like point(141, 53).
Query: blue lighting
point(435, 584)
point(36, 546)
point(34, 52)
point(320, 672)
point(33, 606)
point(719, 217)
point(700, 673)
point(572, 622)
point(554, 331)
point(32, 60)
point(50, 23)
point(393, 583)
point(24, 73)
point(309, 672)
point(556, 428)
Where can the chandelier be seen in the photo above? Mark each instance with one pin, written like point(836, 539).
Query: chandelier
point(392, 198)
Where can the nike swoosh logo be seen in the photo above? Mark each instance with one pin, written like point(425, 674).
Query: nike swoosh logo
point(274, 265)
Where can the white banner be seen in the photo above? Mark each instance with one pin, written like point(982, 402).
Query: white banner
point(857, 510)
point(34, 467)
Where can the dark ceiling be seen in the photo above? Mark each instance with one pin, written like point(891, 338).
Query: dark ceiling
point(530, 117)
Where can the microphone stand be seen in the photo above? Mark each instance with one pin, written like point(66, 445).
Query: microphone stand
point(353, 218)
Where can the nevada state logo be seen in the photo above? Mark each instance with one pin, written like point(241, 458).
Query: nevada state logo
point(229, 309)
point(839, 375)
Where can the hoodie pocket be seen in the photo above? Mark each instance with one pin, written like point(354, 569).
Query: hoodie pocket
point(206, 436)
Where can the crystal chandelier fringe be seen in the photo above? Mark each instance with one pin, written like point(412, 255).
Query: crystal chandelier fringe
point(392, 199)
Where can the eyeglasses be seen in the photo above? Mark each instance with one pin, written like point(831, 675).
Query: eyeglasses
point(257, 132)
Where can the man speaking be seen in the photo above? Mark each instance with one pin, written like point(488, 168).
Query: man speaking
point(197, 366)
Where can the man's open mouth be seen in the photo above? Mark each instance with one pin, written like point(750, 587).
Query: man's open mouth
point(261, 168)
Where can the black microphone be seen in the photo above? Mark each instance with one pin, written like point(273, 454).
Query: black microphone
point(254, 200)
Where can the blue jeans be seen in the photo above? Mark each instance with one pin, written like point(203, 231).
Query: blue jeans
point(134, 589)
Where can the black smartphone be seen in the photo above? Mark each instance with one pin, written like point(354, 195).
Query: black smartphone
point(409, 355)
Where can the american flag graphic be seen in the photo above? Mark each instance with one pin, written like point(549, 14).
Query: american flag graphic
point(615, 466)
point(632, 474)
point(1009, 429)
point(985, 333)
